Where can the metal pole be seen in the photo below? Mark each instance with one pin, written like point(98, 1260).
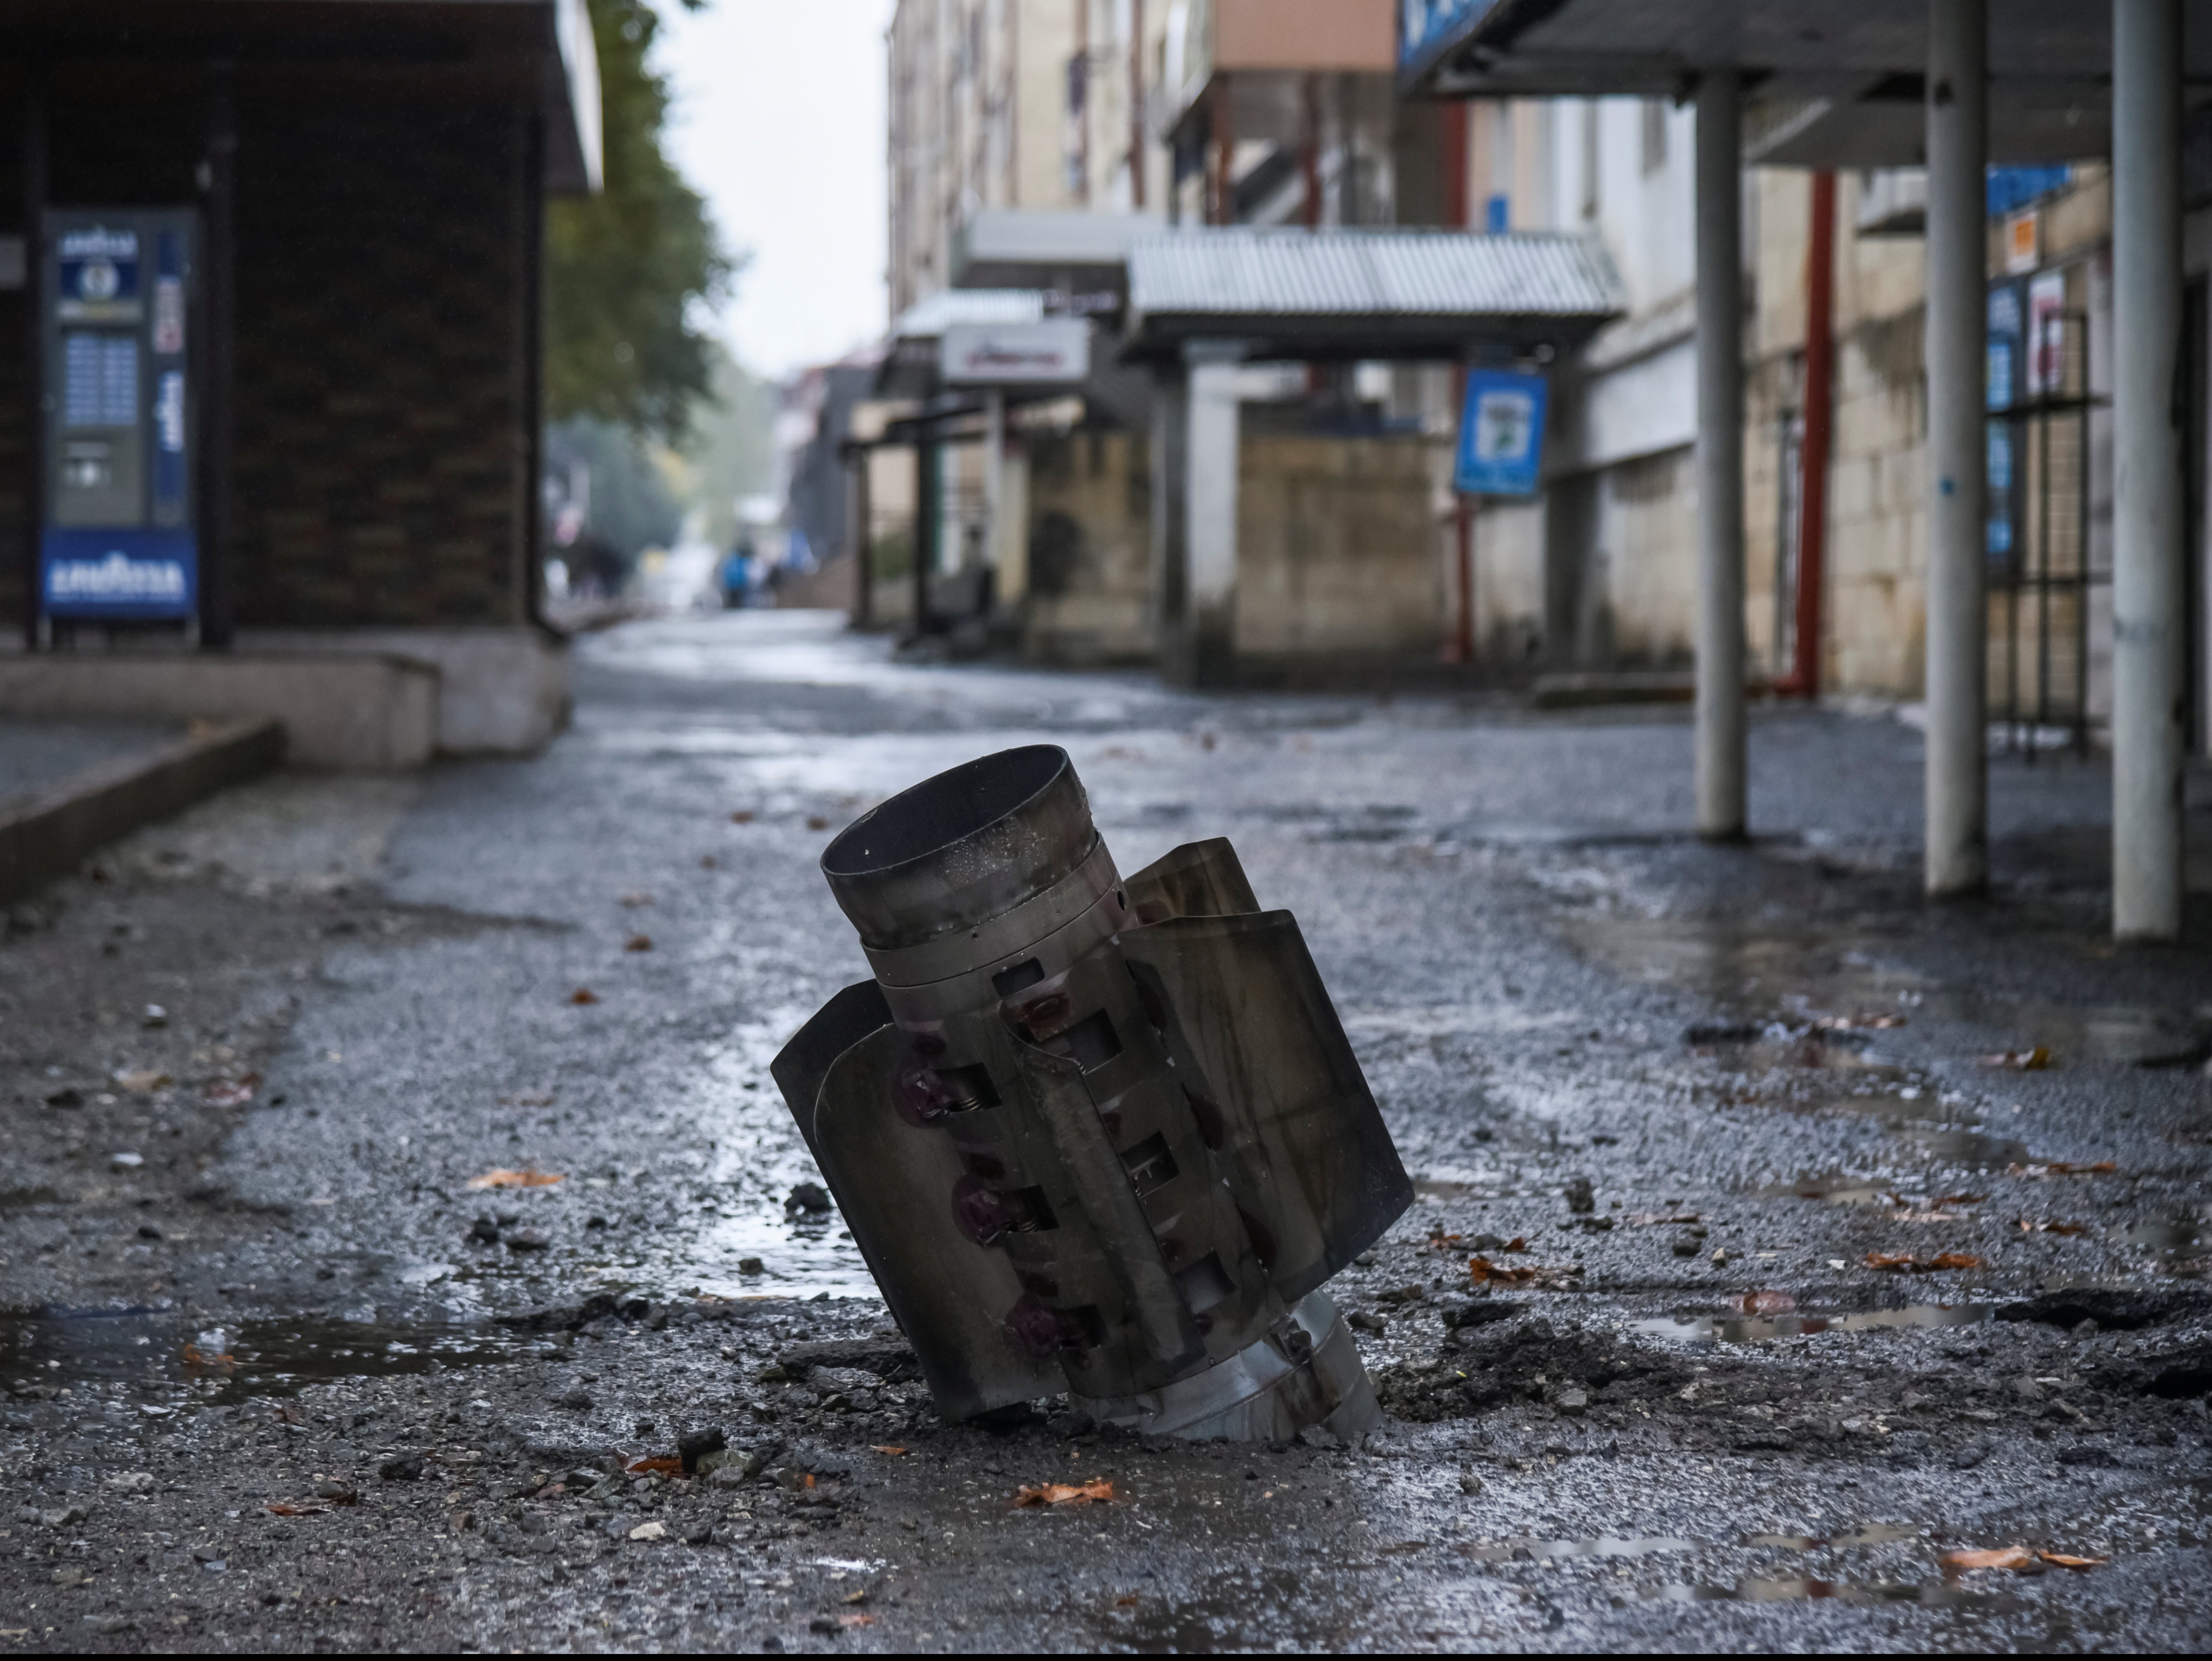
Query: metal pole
point(864, 574)
point(928, 510)
point(1812, 448)
point(35, 300)
point(2147, 694)
point(1720, 714)
point(1957, 851)
point(994, 480)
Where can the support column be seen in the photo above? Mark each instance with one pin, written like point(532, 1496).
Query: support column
point(1210, 487)
point(219, 405)
point(995, 483)
point(1720, 713)
point(2149, 697)
point(928, 523)
point(1170, 521)
point(863, 564)
point(1957, 805)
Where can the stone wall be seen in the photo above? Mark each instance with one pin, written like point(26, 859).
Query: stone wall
point(1337, 552)
point(1089, 557)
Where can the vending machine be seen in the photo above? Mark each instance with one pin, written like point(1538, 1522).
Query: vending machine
point(118, 542)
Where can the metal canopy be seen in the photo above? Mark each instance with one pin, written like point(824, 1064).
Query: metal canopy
point(1367, 294)
point(1040, 248)
point(1833, 86)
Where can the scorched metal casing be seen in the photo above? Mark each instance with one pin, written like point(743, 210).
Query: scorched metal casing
point(1091, 1134)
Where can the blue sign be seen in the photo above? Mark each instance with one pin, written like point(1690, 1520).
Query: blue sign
point(1501, 434)
point(118, 576)
point(1423, 24)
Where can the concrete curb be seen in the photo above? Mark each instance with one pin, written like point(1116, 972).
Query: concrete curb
point(46, 834)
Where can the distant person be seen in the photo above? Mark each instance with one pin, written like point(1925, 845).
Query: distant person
point(737, 578)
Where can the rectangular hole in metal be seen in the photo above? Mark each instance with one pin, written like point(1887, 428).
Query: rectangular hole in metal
point(1204, 1284)
point(1090, 1043)
point(969, 1087)
point(1150, 1165)
point(1023, 976)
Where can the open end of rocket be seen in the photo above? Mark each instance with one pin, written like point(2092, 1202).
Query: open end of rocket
point(958, 849)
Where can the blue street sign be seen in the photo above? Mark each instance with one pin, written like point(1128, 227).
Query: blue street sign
point(1501, 434)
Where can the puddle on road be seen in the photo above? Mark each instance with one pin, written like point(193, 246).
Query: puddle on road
point(1859, 1534)
point(70, 1347)
point(1764, 1328)
point(1530, 1551)
point(1927, 1594)
point(1222, 1618)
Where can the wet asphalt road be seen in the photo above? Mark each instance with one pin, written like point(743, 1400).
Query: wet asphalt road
point(1700, 1415)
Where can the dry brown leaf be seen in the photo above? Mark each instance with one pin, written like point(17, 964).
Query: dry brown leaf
point(1767, 1303)
point(2019, 1061)
point(706, 862)
point(1440, 1241)
point(583, 995)
point(1099, 1491)
point(638, 898)
point(638, 942)
point(195, 1357)
point(280, 1509)
point(856, 1620)
point(504, 1178)
point(2004, 1557)
point(229, 1092)
point(877, 1448)
point(742, 816)
point(2063, 1561)
point(816, 821)
point(1517, 1244)
point(1128, 1602)
point(666, 1467)
point(1903, 1263)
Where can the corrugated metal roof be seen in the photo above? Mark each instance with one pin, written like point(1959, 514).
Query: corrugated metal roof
point(927, 318)
point(1236, 272)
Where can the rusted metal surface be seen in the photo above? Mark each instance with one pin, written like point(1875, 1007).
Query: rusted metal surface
point(1093, 1134)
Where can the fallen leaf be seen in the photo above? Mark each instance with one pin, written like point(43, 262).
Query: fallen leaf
point(195, 1357)
point(143, 1080)
point(856, 1620)
point(893, 1451)
point(816, 821)
point(583, 995)
point(1903, 1263)
point(1067, 1493)
point(666, 1467)
point(638, 942)
point(1767, 1303)
point(2065, 1561)
point(527, 1099)
point(282, 1509)
point(640, 898)
point(229, 1092)
point(1484, 1272)
point(2019, 1061)
point(2005, 1557)
point(706, 862)
point(1517, 1244)
point(1440, 1241)
point(503, 1178)
point(742, 816)
point(1128, 1602)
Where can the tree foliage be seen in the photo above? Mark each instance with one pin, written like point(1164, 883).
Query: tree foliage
point(624, 269)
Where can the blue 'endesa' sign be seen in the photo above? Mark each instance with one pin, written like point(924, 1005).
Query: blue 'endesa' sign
point(118, 576)
point(1501, 434)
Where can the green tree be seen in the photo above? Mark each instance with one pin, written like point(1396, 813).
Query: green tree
point(626, 268)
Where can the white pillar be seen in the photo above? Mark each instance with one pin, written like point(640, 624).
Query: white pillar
point(1957, 853)
point(1210, 486)
point(1720, 644)
point(2148, 621)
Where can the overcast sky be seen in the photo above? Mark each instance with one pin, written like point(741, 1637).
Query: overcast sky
point(779, 122)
